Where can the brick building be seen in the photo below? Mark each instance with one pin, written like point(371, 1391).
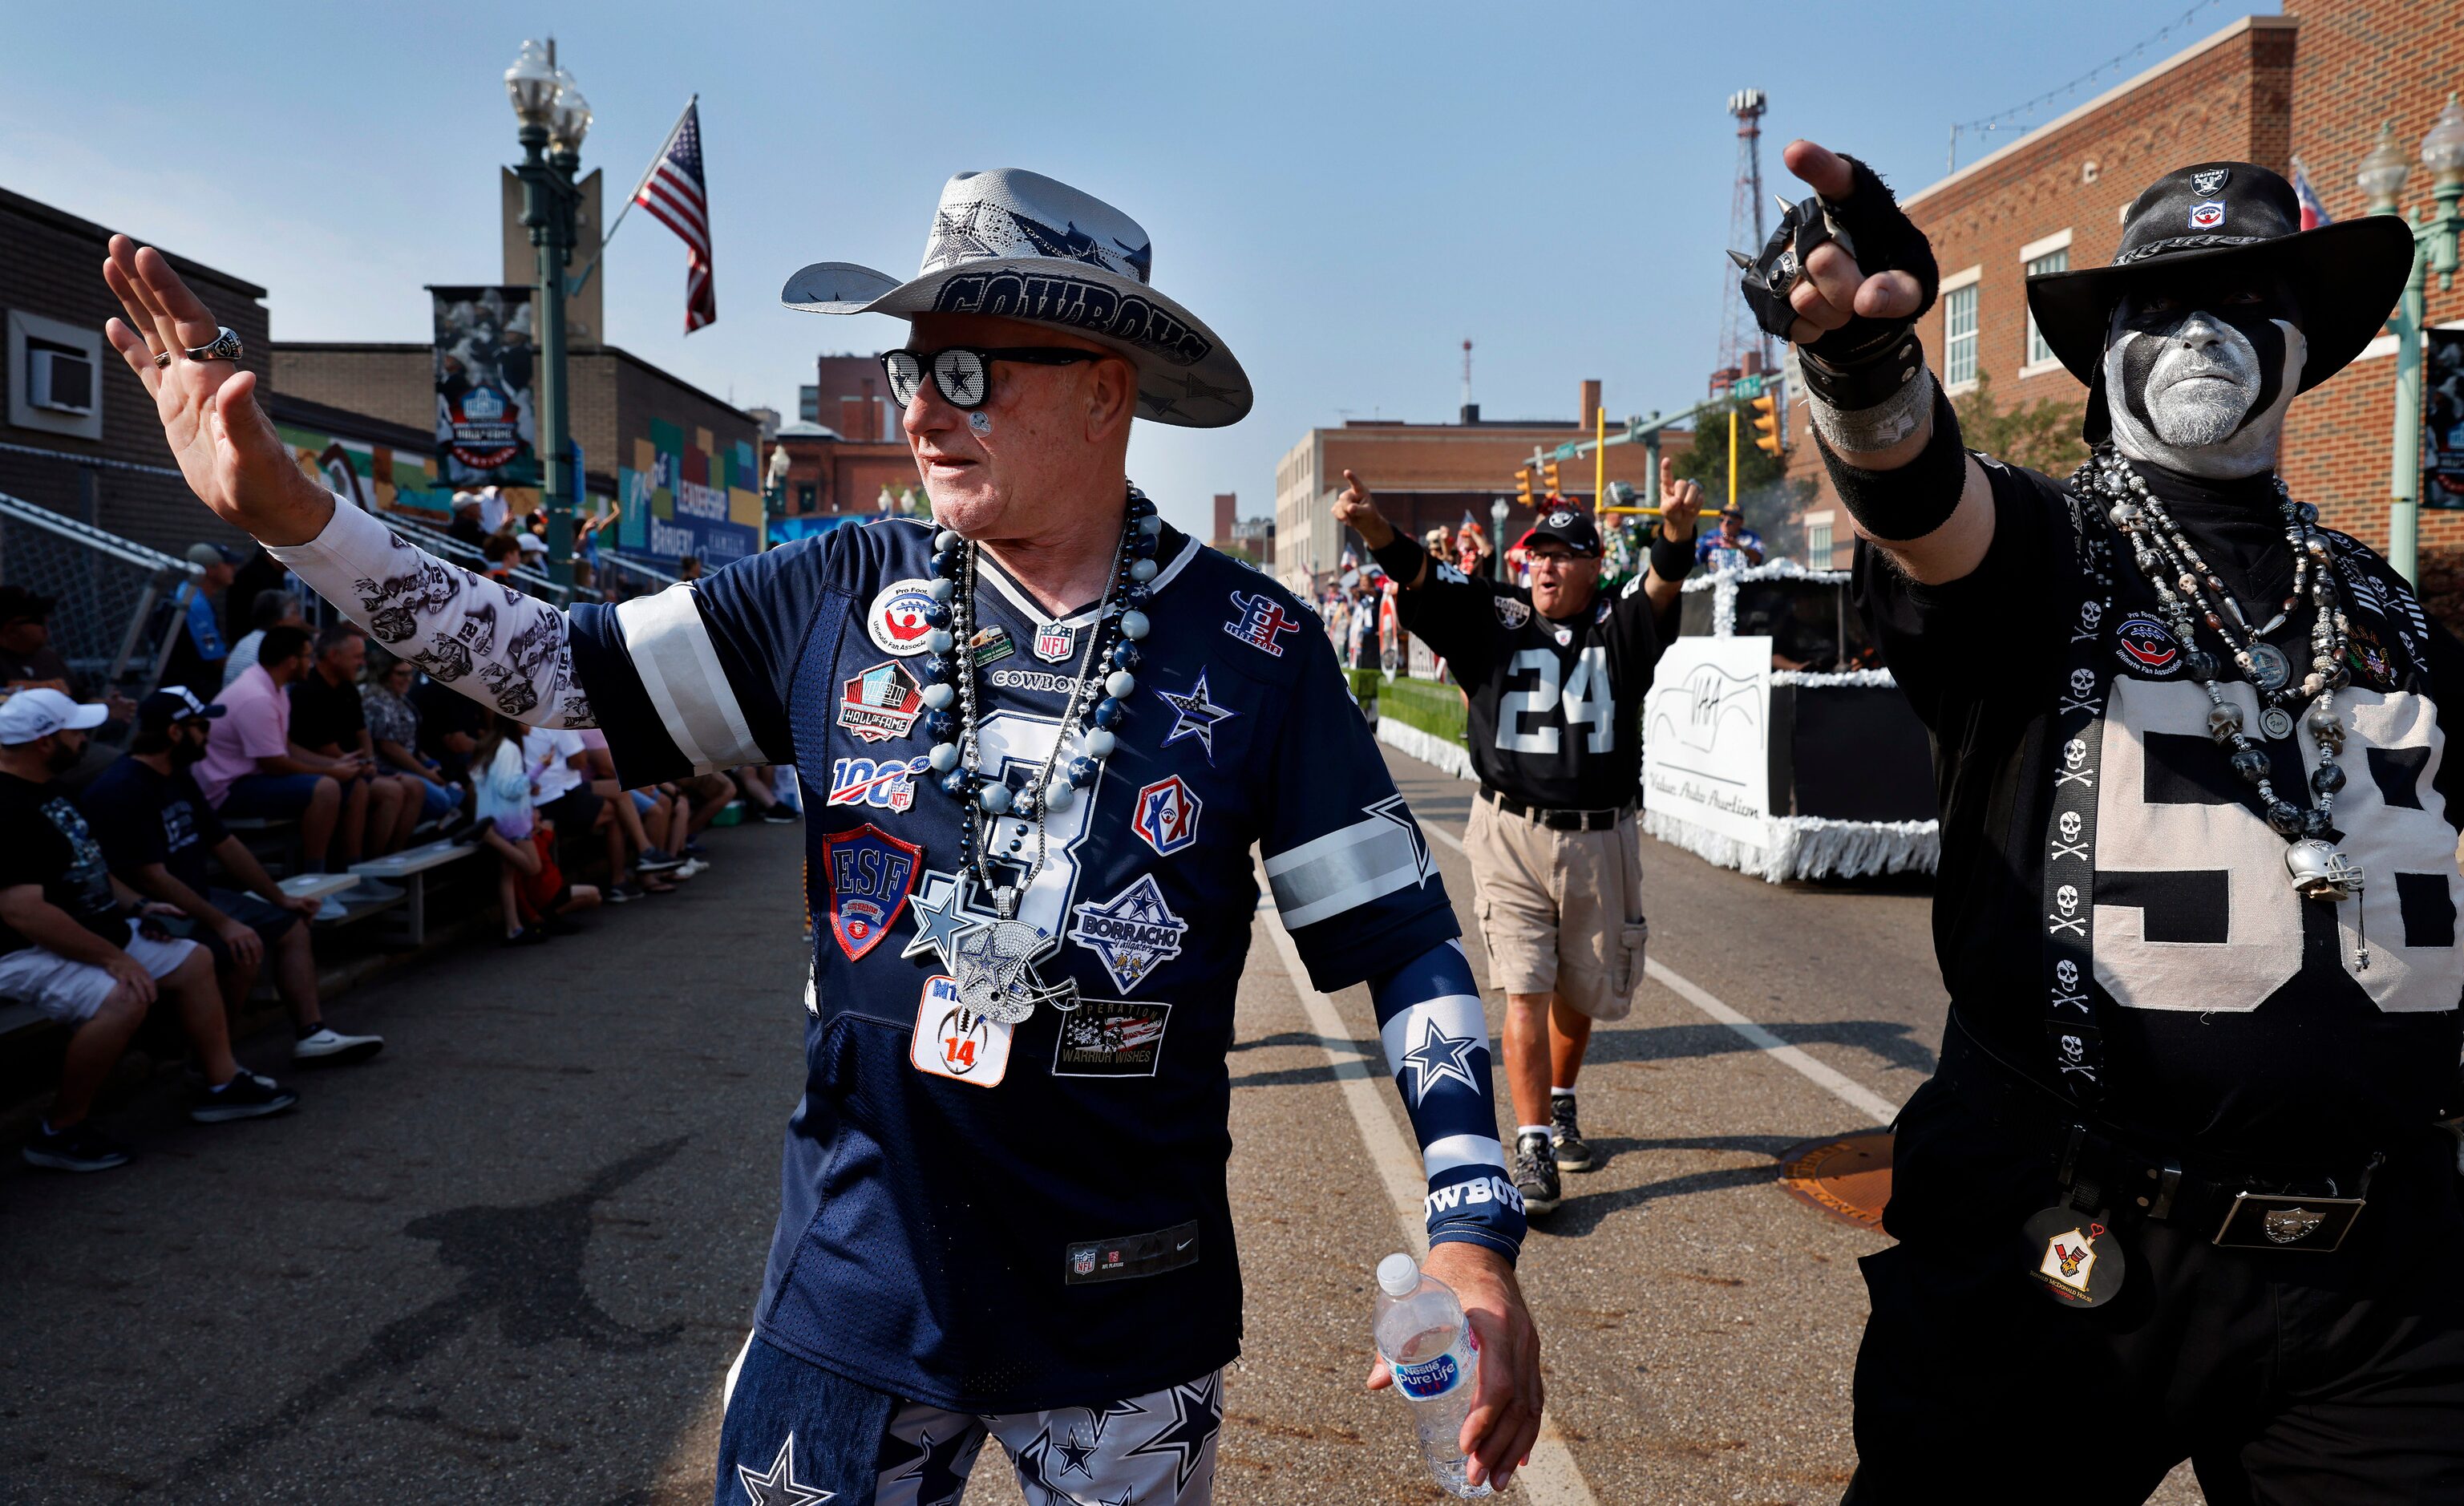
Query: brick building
point(832, 479)
point(71, 402)
point(848, 398)
point(686, 462)
point(2315, 82)
point(1425, 475)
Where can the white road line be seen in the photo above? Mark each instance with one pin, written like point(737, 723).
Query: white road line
point(1856, 1095)
point(1551, 1477)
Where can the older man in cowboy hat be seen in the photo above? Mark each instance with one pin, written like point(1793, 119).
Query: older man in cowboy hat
point(2176, 1189)
point(1054, 727)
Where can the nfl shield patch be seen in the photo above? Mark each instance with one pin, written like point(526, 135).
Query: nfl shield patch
point(1055, 641)
point(868, 872)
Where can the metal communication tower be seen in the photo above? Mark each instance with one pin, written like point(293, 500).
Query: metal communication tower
point(1744, 347)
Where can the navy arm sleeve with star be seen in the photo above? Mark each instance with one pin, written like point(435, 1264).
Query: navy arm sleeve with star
point(1437, 1043)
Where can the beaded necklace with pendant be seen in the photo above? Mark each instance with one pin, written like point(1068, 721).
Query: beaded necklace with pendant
point(2184, 582)
point(1108, 662)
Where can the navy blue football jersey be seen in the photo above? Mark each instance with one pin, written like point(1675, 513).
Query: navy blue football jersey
point(993, 1217)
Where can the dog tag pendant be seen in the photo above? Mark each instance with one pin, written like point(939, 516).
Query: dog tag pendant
point(2074, 1257)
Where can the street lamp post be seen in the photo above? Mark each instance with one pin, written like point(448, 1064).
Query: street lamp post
point(1497, 535)
point(2434, 249)
point(777, 477)
point(553, 119)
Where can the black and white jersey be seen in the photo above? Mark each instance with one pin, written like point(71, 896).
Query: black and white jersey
point(1556, 707)
point(2236, 1016)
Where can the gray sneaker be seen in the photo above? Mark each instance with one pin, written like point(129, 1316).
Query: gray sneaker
point(1574, 1152)
point(248, 1096)
point(1535, 1174)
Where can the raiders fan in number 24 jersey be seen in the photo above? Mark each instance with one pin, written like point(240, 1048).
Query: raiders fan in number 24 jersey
point(1547, 727)
point(996, 1218)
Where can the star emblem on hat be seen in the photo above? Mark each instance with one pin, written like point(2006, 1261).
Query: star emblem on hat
point(1194, 716)
point(779, 1487)
point(1438, 1056)
point(958, 235)
point(1193, 390)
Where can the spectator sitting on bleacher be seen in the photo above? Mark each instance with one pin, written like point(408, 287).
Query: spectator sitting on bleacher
point(530, 887)
point(753, 782)
point(251, 768)
point(381, 808)
point(198, 648)
point(560, 790)
point(465, 525)
point(393, 732)
point(642, 820)
point(449, 725)
point(156, 830)
point(501, 554)
point(273, 607)
point(73, 946)
point(28, 659)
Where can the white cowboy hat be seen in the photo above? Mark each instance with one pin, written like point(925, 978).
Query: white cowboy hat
point(1023, 246)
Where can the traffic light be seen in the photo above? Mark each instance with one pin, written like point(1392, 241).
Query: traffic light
point(1523, 485)
point(1550, 470)
point(1766, 423)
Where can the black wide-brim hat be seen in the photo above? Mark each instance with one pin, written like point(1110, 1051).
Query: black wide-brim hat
point(2237, 216)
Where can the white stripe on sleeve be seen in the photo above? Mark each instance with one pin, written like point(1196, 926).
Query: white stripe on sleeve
point(670, 650)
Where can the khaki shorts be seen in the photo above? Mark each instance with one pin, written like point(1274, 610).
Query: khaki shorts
point(1559, 911)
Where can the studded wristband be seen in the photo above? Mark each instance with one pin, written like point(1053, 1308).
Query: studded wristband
point(1868, 377)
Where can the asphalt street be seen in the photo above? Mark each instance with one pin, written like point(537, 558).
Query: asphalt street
point(511, 1260)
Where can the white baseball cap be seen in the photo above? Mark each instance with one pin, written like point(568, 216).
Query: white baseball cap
point(32, 714)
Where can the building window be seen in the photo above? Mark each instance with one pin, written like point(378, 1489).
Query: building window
point(2038, 352)
point(1959, 336)
point(1818, 539)
point(804, 494)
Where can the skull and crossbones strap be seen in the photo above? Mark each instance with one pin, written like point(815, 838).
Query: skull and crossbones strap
point(2070, 826)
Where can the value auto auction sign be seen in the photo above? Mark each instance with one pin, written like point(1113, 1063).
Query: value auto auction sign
point(487, 430)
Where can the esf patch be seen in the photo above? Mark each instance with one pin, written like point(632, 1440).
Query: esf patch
point(1166, 818)
point(868, 873)
point(889, 785)
point(1133, 933)
point(1111, 1038)
point(896, 621)
point(2148, 647)
point(955, 1042)
point(880, 704)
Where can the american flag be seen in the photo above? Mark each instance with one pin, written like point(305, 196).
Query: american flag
point(674, 191)
point(2312, 213)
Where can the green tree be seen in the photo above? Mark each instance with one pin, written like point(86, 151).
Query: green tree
point(2042, 435)
point(1707, 459)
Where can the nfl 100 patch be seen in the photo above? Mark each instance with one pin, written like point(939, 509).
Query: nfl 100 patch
point(1133, 933)
point(880, 704)
point(1166, 815)
point(2148, 647)
point(868, 873)
point(896, 620)
point(887, 783)
point(1111, 1038)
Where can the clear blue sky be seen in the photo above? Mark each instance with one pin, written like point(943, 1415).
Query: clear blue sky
point(1344, 191)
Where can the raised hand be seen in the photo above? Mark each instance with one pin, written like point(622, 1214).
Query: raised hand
point(1354, 510)
point(226, 447)
point(1835, 289)
point(1681, 502)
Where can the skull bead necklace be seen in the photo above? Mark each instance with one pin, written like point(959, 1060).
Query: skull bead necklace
point(2190, 595)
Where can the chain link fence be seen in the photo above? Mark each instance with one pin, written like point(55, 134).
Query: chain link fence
point(111, 619)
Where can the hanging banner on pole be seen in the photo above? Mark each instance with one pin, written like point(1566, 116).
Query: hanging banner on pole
point(2442, 449)
point(487, 427)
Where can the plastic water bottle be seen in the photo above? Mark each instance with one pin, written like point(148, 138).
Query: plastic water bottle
point(1421, 1335)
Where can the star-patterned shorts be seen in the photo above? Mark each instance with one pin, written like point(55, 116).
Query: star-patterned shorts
point(800, 1436)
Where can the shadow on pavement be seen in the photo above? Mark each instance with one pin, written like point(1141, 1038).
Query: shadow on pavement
point(1892, 1041)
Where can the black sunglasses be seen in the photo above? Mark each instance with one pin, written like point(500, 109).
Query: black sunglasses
point(963, 373)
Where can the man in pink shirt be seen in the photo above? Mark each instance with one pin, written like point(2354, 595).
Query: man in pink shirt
point(251, 770)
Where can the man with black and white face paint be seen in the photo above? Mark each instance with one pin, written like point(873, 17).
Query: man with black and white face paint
point(2177, 1184)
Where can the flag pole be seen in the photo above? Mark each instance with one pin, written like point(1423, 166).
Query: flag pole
point(633, 197)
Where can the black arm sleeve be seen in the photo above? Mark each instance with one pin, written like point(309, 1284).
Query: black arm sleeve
point(1916, 498)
